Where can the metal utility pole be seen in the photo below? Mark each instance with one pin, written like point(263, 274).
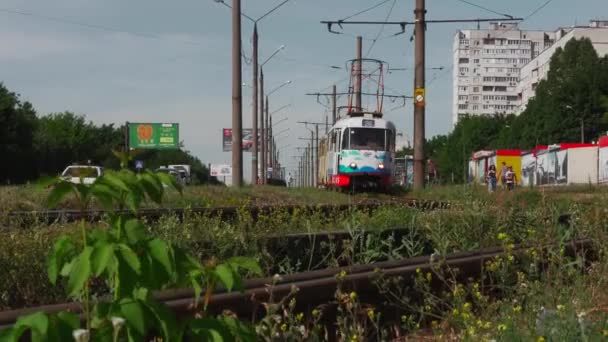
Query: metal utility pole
point(237, 105)
point(270, 145)
point(262, 130)
point(254, 155)
point(359, 83)
point(334, 109)
point(419, 102)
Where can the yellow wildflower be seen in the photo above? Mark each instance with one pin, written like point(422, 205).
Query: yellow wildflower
point(429, 276)
point(300, 316)
point(517, 308)
point(605, 332)
point(560, 307)
point(284, 327)
point(501, 327)
point(316, 312)
point(467, 306)
point(541, 339)
point(487, 325)
point(370, 314)
point(455, 312)
point(511, 258)
point(353, 295)
point(418, 270)
point(502, 236)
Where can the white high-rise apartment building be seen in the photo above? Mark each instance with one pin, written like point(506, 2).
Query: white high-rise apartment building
point(487, 64)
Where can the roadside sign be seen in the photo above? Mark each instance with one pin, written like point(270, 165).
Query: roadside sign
point(419, 97)
point(139, 164)
point(153, 136)
point(219, 170)
point(246, 141)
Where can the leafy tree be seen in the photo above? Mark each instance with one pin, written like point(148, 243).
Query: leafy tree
point(17, 124)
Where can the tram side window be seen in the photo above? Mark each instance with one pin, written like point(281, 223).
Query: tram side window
point(390, 140)
point(373, 139)
point(334, 140)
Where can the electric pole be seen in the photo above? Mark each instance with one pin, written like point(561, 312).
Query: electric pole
point(254, 155)
point(334, 110)
point(316, 156)
point(359, 68)
point(262, 130)
point(419, 61)
point(266, 147)
point(237, 105)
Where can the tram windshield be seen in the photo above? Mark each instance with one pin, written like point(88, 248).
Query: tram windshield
point(373, 139)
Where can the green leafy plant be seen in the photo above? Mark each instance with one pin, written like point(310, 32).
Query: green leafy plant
point(120, 265)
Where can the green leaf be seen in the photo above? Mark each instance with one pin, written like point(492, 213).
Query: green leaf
point(135, 231)
point(198, 289)
point(101, 257)
point(161, 252)
point(165, 318)
point(113, 180)
point(249, 264)
point(241, 330)
point(67, 268)
point(57, 257)
point(60, 190)
point(226, 275)
point(153, 187)
point(135, 315)
point(80, 272)
point(69, 318)
point(46, 181)
point(211, 329)
point(104, 194)
point(169, 180)
point(37, 322)
point(130, 257)
point(133, 201)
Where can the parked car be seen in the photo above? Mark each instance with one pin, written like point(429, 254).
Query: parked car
point(82, 174)
point(180, 175)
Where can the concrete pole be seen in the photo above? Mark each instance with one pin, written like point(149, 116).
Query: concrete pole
point(254, 154)
point(316, 155)
point(262, 129)
point(266, 143)
point(334, 110)
point(358, 103)
point(419, 83)
point(237, 99)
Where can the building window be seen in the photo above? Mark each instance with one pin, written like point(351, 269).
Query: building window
point(462, 97)
point(463, 60)
point(464, 42)
point(476, 98)
point(461, 88)
point(463, 70)
point(476, 61)
point(475, 107)
point(462, 106)
point(476, 89)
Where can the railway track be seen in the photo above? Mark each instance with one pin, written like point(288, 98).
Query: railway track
point(314, 288)
point(226, 213)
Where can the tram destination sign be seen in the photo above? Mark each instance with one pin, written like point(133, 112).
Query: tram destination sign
point(153, 135)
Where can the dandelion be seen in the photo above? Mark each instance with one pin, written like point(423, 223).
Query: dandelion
point(342, 275)
point(471, 331)
point(479, 323)
point(370, 314)
point(540, 339)
point(502, 236)
point(316, 312)
point(467, 306)
point(511, 258)
point(300, 316)
point(427, 307)
point(283, 327)
point(561, 251)
point(418, 270)
point(429, 276)
point(81, 335)
point(353, 295)
point(487, 325)
point(354, 338)
point(455, 312)
point(501, 327)
point(517, 308)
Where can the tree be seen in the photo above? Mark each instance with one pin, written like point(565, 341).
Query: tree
point(17, 126)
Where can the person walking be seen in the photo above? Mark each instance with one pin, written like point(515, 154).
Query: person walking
point(491, 178)
point(503, 174)
point(510, 178)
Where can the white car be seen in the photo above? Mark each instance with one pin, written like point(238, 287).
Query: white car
point(86, 174)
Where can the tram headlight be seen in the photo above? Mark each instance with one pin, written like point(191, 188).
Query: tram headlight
point(381, 166)
point(353, 165)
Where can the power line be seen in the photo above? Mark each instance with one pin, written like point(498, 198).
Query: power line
point(390, 11)
point(366, 10)
point(94, 26)
point(485, 8)
point(539, 9)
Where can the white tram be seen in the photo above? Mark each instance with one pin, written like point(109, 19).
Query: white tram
point(358, 153)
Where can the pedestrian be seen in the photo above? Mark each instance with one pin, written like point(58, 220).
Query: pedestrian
point(510, 178)
point(503, 174)
point(491, 178)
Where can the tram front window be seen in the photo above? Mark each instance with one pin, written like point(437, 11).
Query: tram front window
point(373, 139)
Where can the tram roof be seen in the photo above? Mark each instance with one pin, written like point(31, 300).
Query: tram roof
point(358, 121)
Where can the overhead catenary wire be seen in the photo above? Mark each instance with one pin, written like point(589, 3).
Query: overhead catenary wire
point(366, 10)
point(485, 8)
point(390, 11)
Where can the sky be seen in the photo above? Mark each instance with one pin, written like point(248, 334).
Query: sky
point(170, 61)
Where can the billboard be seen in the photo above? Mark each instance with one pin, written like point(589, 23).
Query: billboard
point(153, 135)
point(246, 142)
point(221, 170)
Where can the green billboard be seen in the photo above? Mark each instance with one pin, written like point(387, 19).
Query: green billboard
point(153, 135)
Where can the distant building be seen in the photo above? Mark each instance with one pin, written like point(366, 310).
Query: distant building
point(487, 65)
point(535, 71)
